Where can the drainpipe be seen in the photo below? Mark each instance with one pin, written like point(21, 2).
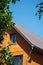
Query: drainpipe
point(30, 54)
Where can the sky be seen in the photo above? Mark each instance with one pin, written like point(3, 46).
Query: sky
point(23, 13)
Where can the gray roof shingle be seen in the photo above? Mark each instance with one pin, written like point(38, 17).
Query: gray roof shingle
point(29, 36)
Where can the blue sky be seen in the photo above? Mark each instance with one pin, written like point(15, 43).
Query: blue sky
point(23, 13)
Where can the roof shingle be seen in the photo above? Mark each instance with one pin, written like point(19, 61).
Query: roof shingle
point(29, 36)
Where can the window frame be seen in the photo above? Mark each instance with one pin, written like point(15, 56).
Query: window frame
point(12, 38)
point(19, 57)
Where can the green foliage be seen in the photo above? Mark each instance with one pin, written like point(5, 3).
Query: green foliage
point(40, 10)
point(5, 25)
point(14, 1)
point(5, 17)
point(5, 56)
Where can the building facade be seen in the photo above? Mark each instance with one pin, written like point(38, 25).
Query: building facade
point(24, 47)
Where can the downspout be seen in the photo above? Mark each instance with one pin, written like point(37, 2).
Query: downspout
point(30, 54)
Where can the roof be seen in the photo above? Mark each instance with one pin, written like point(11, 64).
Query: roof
point(29, 36)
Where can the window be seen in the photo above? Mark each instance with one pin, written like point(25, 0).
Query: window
point(13, 38)
point(17, 60)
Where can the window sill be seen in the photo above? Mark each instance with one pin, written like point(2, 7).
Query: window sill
point(13, 43)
